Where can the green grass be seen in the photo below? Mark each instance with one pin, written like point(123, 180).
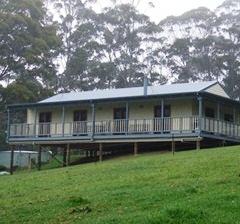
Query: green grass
point(191, 187)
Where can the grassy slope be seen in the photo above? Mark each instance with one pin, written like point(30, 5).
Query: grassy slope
point(192, 187)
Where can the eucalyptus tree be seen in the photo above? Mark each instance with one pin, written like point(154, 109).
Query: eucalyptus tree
point(28, 42)
point(69, 14)
point(113, 49)
point(228, 24)
point(128, 37)
point(208, 46)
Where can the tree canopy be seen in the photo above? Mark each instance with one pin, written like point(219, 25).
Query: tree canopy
point(50, 46)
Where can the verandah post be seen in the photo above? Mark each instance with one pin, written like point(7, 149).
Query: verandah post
point(234, 121)
point(127, 117)
point(218, 117)
point(162, 115)
point(200, 114)
point(63, 120)
point(93, 120)
point(35, 123)
point(8, 125)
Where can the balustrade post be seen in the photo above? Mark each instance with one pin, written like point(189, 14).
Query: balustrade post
point(181, 124)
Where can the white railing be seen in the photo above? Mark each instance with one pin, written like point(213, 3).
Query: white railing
point(178, 125)
point(220, 127)
point(107, 127)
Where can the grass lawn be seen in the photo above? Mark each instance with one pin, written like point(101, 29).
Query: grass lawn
point(191, 187)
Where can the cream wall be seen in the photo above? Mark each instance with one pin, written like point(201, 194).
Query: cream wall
point(141, 110)
point(105, 111)
point(137, 110)
point(182, 108)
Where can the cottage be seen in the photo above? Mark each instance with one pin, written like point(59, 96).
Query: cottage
point(175, 113)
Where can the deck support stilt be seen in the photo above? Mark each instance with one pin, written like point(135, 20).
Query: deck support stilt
point(100, 152)
point(39, 157)
point(198, 144)
point(64, 162)
point(223, 143)
point(12, 160)
point(29, 162)
point(173, 147)
point(68, 155)
point(135, 148)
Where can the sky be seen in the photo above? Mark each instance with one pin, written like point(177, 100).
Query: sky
point(164, 8)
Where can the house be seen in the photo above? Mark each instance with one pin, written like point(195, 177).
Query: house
point(191, 112)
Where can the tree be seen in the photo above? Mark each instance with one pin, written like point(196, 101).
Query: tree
point(113, 49)
point(28, 42)
point(128, 37)
point(211, 54)
point(71, 14)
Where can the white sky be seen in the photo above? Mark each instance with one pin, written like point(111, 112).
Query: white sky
point(164, 8)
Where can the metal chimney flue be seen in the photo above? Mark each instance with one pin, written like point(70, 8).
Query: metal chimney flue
point(145, 86)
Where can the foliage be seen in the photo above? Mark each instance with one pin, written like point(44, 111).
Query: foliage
point(207, 47)
point(27, 43)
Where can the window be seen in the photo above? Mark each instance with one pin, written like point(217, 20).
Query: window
point(45, 117)
point(80, 115)
point(119, 113)
point(80, 122)
point(209, 112)
point(228, 117)
point(158, 111)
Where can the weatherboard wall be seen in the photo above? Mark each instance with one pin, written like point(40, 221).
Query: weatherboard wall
point(137, 110)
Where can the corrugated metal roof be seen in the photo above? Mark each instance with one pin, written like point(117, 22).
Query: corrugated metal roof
point(130, 92)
